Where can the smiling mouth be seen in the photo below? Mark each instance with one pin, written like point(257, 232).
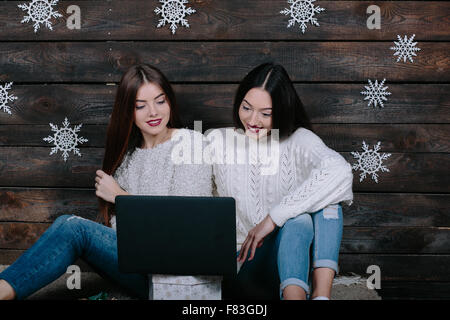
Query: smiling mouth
point(154, 123)
point(254, 129)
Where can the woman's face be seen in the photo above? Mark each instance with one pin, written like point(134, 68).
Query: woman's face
point(255, 113)
point(152, 110)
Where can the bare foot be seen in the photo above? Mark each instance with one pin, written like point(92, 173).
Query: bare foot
point(6, 291)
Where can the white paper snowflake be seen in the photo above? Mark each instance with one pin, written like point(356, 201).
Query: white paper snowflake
point(65, 139)
point(173, 12)
point(370, 162)
point(5, 97)
point(302, 12)
point(40, 11)
point(376, 93)
point(405, 48)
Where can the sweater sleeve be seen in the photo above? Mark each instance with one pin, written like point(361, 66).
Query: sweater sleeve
point(328, 179)
point(121, 174)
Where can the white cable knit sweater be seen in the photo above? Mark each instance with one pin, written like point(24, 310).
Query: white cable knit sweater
point(309, 177)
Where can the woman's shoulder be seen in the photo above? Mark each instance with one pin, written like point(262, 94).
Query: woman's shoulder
point(306, 140)
point(304, 136)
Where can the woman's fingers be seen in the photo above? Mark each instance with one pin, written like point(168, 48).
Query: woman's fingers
point(247, 246)
point(100, 173)
point(244, 245)
point(255, 244)
point(241, 253)
point(244, 251)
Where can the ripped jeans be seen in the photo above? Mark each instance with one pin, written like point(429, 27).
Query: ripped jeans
point(66, 240)
point(289, 254)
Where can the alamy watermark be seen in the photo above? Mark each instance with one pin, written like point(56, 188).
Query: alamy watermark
point(74, 280)
point(374, 281)
point(374, 20)
point(230, 146)
point(74, 20)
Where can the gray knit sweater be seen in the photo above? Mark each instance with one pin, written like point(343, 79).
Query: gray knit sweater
point(152, 171)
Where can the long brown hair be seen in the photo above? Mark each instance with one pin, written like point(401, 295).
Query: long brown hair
point(123, 135)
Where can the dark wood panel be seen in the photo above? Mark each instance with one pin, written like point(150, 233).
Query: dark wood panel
point(340, 137)
point(415, 268)
point(7, 256)
point(381, 209)
point(233, 19)
point(34, 167)
point(32, 135)
point(422, 267)
point(375, 240)
point(368, 209)
point(394, 138)
point(38, 104)
point(409, 172)
point(45, 205)
point(219, 61)
point(408, 103)
point(20, 235)
point(395, 240)
point(324, 103)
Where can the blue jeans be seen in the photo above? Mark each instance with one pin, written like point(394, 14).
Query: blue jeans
point(286, 255)
point(66, 240)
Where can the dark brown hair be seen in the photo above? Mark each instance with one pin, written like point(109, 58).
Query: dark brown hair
point(123, 135)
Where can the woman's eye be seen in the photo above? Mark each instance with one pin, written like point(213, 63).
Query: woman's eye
point(139, 107)
point(161, 102)
point(245, 108)
point(267, 114)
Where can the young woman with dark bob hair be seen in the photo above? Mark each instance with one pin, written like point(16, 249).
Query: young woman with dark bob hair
point(288, 222)
point(140, 138)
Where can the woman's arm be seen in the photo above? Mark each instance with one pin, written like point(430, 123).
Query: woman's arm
point(329, 182)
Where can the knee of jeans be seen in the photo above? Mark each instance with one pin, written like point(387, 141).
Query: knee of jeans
point(332, 213)
point(67, 223)
point(301, 225)
point(61, 219)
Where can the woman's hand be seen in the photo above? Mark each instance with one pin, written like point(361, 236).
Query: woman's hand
point(106, 187)
point(256, 237)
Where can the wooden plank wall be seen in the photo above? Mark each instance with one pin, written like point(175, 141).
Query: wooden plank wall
point(401, 223)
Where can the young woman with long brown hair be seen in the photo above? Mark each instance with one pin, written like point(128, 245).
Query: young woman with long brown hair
point(141, 135)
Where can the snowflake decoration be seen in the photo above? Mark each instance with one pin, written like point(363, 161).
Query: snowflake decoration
point(405, 48)
point(5, 97)
point(376, 93)
point(370, 162)
point(173, 12)
point(302, 12)
point(65, 139)
point(40, 11)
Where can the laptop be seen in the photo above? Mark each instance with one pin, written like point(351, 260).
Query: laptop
point(176, 235)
